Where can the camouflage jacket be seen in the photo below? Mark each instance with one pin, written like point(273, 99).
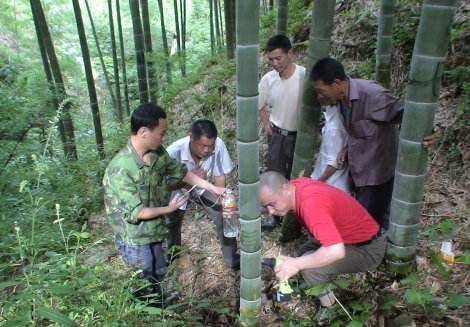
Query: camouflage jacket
point(130, 185)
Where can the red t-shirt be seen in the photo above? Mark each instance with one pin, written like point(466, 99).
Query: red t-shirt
point(331, 215)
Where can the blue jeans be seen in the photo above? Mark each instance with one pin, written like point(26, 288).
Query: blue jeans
point(150, 258)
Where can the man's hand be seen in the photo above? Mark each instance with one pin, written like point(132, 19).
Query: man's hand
point(432, 139)
point(268, 129)
point(178, 201)
point(288, 268)
point(199, 172)
point(342, 157)
point(265, 122)
point(217, 189)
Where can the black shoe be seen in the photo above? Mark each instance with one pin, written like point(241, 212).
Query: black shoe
point(153, 296)
point(270, 223)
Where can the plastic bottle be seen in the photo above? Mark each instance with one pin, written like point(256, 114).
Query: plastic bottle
point(229, 215)
point(446, 253)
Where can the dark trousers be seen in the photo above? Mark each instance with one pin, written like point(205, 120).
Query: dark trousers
point(281, 152)
point(376, 199)
point(150, 258)
point(357, 258)
point(175, 220)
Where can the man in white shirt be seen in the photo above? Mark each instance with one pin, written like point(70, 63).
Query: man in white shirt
point(206, 155)
point(280, 91)
point(334, 139)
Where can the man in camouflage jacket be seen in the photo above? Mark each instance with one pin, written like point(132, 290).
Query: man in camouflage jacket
point(136, 194)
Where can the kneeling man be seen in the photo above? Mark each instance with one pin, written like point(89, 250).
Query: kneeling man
point(349, 238)
point(204, 154)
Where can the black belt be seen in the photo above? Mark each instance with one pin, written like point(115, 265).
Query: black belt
point(376, 236)
point(282, 131)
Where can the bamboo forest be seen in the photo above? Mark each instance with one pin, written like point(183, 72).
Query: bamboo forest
point(235, 163)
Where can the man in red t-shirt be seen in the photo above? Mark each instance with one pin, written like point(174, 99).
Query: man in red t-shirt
point(349, 238)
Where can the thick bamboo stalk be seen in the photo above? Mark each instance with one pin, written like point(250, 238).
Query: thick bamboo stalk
point(95, 111)
point(421, 102)
point(310, 110)
point(247, 32)
point(383, 52)
point(282, 12)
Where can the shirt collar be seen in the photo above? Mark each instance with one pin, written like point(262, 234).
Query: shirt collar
point(140, 163)
point(186, 153)
point(353, 91)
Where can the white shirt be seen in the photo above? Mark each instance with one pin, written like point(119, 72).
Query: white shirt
point(218, 163)
point(282, 97)
point(334, 138)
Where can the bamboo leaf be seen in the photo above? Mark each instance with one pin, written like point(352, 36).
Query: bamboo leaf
point(55, 316)
point(457, 300)
point(437, 261)
point(8, 283)
point(354, 323)
point(320, 289)
point(413, 296)
point(152, 310)
point(411, 279)
point(465, 259)
point(342, 283)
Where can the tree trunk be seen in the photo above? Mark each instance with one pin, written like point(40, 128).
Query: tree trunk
point(178, 36)
point(65, 120)
point(47, 71)
point(151, 71)
point(308, 140)
point(248, 160)
point(89, 79)
point(383, 52)
point(183, 35)
point(211, 26)
point(217, 27)
point(221, 22)
point(229, 12)
point(100, 55)
point(123, 59)
point(270, 4)
point(281, 22)
point(421, 102)
point(117, 86)
point(139, 51)
point(165, 42)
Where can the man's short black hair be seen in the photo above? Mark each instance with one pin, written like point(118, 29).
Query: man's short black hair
point(327, 70)
point(203, 127)
point(146, 115)
point(278, 42)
